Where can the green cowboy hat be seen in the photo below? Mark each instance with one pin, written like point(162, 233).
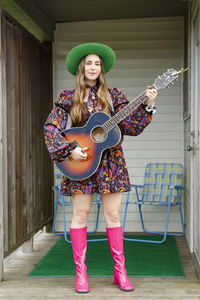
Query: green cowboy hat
point(77, 53)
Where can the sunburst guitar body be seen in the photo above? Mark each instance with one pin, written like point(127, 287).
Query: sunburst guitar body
point(93, 136)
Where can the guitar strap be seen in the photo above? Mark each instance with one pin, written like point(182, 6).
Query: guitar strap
point(110, 102)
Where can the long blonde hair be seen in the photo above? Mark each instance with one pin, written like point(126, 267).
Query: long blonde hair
point(78, 110)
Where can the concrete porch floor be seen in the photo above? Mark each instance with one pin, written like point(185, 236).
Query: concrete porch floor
point(17, 285)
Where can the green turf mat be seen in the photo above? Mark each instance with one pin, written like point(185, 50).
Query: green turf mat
point(142, 259)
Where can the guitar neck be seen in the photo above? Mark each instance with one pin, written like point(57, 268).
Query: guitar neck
point(122, 114)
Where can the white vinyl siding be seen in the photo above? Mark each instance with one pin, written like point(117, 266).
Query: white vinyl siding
point(145, 48)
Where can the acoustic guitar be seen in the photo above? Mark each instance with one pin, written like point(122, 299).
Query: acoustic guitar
point(102, 132)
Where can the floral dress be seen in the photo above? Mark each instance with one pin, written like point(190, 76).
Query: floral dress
point(112, 174)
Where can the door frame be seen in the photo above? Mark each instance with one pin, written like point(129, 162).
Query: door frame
point(194, 106)
point(1, 166)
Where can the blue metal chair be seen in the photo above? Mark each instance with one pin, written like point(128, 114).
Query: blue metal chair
point(64, 201)
point(163, 183)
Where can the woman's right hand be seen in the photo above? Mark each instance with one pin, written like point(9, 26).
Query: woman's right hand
point(79, 153)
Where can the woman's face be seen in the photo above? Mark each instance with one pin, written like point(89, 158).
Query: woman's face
point(92, 68)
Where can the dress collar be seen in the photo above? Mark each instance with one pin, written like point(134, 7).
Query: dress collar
point(91, 87)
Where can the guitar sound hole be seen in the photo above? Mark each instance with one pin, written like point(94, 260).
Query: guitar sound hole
point(98, 134)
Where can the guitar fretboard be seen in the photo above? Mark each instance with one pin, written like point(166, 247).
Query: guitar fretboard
point(122, 114)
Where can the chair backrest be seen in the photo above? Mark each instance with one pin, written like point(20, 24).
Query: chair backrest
point(57, 176)
point(157, 180)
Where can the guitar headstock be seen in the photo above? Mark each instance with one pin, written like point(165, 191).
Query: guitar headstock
point(164, 80)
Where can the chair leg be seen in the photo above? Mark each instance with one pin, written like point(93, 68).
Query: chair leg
point(151, 232)
point(125, 213)
point(181, 214)
point(164, 234)
point(141, 218)
point(55, 213)
point(97, 218)
point(154, 232)
point(97, 222)
point(64, 222)
point(67, 233)
point(182, 222)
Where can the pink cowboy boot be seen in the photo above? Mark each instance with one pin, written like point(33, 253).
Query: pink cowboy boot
point(79, 247)
point(115, 240)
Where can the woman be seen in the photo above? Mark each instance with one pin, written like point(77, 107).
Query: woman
point(89, 62)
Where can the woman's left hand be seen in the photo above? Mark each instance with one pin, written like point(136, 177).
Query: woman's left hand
point(151, 94)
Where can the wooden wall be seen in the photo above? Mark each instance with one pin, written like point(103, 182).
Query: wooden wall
point(27, 89)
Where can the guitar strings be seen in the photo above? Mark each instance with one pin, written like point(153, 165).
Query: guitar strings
point(120, 114)
point(89, 138)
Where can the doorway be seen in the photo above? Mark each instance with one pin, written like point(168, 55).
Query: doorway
point(195, 79)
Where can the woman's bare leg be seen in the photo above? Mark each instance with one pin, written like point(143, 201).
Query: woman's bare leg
point(81, 209)
point(111, 207)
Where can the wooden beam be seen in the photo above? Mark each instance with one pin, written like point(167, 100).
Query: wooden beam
point(1, 170)
point(31, 24)
point(39, 14)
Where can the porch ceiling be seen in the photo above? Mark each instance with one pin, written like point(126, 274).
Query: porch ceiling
point(82, 10)
point(39, 17)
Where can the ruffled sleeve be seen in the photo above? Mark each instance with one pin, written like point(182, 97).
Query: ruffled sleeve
point(59, 148)
point(136, 121)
